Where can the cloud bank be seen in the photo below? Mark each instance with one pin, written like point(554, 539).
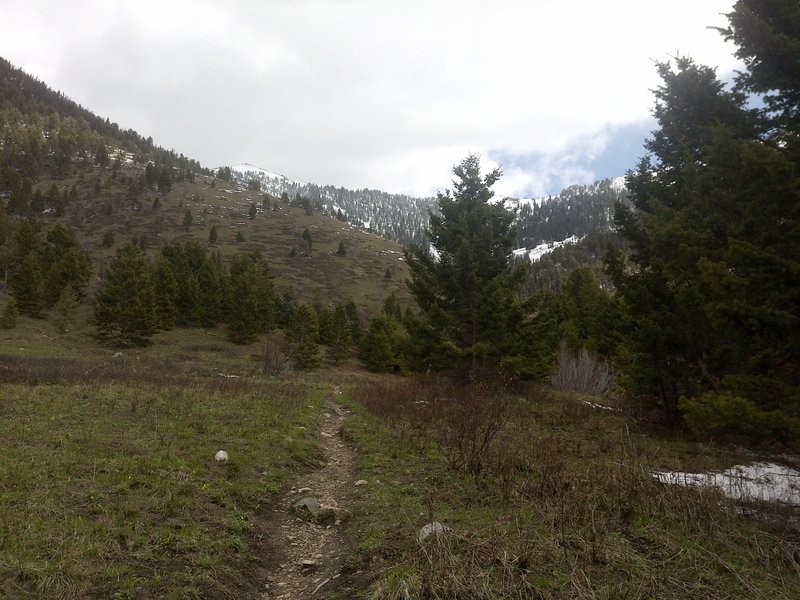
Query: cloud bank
point(361, 93)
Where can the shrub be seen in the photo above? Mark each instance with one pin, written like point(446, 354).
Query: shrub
point(583, 372)
point(9, 316)
point(738, 419)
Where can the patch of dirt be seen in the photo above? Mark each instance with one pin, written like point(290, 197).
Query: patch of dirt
point(311, 553)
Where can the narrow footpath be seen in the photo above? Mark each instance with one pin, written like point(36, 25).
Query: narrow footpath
point(308, 519)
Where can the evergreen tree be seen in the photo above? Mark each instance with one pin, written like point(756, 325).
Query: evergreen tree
point(9, 316)
point(307, 242)
point(252, 300)
point(212, 235)
point(239, 236)
point(712, 298)
point(26, 285)
point(354, 321)
point(124, 308)
point(339, 346)
point(165, 286)
point(187, 218)
point(465, 292)
point(380, 347)
point(253, 211)
point(65, 309)
point(342, 249)
point(304, 336)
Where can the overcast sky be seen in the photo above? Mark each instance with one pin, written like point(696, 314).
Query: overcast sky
point(373, 93)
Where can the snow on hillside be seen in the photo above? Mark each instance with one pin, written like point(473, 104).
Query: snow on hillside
point(248, 171)
point(537, 252)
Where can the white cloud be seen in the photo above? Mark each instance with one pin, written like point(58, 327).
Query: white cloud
point(364, 93)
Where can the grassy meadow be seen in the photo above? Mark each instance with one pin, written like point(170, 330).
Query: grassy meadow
point(108, 485)
point(547, 497)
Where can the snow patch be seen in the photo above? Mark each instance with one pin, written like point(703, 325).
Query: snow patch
point(769, 482)
point(537, 252)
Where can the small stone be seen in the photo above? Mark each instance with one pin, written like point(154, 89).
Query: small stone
point(304, 490)
point(361, 482)
point(307, 505)
point(434, 528)
point(221, 456)
point(325, 434)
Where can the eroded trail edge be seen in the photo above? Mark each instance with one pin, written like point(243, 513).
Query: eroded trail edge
point(311, 549)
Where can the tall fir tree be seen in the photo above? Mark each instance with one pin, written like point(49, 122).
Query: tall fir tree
point(713, 293)
point(251, 308)
point(465, 288)
point(304, 337)
point(124, 308)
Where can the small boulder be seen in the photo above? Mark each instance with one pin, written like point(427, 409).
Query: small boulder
point(361, 482)
point(221, 456)
point(434, 528)
point(307, 506)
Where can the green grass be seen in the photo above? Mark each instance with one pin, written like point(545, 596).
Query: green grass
point(108, 483)
point(565, 508)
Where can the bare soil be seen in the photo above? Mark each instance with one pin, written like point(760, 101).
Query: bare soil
point(311, 553)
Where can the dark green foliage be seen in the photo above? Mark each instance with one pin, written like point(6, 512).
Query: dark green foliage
point(723, 417)
point(224, 173)
point(342, 249)
point(64, 263)
point(65, 309)
point(187, 218)
point(254, 185)
point(108, 239)
point(26, 285)
point(339, 342)
point(381, 346)
point(251, 308)
point(124, 309)
point(201, 284)
point(326, 315)
point(388, 273)
point(165, 286)
point(253, 211)
point(466, 296)
point(10, 314)
point(307, 241)
point(712, 290)
point(212, 235)
point(354, 321)
point(304, 338)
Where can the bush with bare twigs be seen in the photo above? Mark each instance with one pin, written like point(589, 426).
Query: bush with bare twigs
point(583, 372)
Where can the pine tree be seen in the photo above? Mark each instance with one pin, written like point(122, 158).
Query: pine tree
point(65, 309)
point(342, 249)
point(712, 298)
point(27, 285)
point(212, 235)
point(187, 218)
point(466, 291)
point(307, 242)
point(304, 336)
point(165, 286)
point(10, 315)
point(251, 308)
point(380, 347)
point(339, 346)
point(253, 211)
point(124, 308)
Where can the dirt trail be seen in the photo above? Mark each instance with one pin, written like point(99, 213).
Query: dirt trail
point(311, 555)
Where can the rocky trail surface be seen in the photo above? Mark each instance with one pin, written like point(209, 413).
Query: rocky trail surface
point(307, 521)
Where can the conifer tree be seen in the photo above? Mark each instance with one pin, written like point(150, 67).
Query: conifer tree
point(712, 298)
point(339, 346)
point(342, 249)
point(465, 291)
point(253, 211)
point(187, 218)
point(165, 286)
point(304, 336)
point(65, 309)
point(124, 308)
point(212, 235)
point(10, 314)
point(251, 309)
point(27, 286)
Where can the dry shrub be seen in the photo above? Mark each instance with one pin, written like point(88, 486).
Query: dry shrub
point(582, 372)
point(275, 360)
